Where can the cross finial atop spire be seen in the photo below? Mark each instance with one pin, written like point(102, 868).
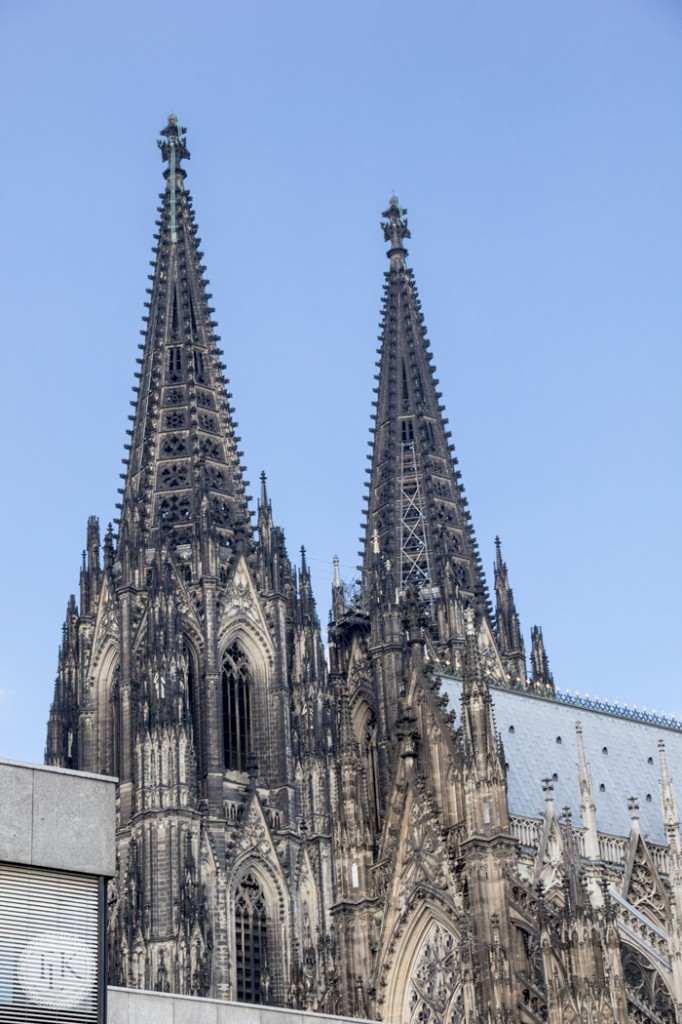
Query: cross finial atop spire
point(395, 228)
point(173, 146)
point(264, 490)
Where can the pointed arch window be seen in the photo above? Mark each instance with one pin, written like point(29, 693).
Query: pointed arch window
point(236, 680)
point(407, 431)
point(434, 990)
point(199, 372)
point(648, 995)
point(174, 364)
point(195, 708)
point(251, 942)
point(115, 738)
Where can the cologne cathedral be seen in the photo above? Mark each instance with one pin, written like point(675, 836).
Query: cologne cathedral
point(413, 827)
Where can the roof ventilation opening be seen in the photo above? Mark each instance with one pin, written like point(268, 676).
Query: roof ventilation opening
point(558, 739)
point(602, 788)
point(604, 750)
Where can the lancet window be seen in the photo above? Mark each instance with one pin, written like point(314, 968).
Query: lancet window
point(251, 940)
point(174, 364)
point(236, 679)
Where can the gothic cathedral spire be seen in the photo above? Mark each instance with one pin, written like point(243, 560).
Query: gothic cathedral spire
point(184, 471)
point(417, 519)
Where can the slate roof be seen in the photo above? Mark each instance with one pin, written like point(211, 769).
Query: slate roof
point(540, 741)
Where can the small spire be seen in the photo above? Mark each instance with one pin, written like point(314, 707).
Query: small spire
point(671, 818)
point(109, 547)
point(541, 675)
point(507, 626)
point(395, 230)
point(263, 490)
point(304, 564)
point(337, 575)
point(587, 804)
point(498, 554)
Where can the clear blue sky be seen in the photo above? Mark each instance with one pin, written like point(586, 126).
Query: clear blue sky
point(538, 148)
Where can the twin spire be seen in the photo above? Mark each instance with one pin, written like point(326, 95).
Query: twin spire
point(417, 521)
point(184, 467)
point(184, 474)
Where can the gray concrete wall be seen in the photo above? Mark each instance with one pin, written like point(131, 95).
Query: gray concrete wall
point(126, 1006)
point(54, 818)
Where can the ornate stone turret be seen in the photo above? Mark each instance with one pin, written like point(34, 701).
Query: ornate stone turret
point(507, 628)
point(540, 674)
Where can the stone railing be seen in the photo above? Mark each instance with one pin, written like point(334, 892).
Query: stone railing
point(612, 849)
point(526, 830)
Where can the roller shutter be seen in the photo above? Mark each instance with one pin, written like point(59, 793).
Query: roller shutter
point(50, 955)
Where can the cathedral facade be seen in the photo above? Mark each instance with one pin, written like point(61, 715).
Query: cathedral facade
point(419, 829)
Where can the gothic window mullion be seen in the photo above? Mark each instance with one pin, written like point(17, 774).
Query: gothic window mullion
point(237, 725)
point(250, 940)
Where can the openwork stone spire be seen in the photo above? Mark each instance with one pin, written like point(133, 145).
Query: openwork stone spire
point(417, 517)
point(184, 473)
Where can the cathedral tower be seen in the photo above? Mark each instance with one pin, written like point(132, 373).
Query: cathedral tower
point(193, 670)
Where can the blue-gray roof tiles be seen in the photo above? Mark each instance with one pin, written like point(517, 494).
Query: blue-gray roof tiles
point(540, 741)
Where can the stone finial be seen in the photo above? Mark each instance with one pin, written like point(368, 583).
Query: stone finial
point(173, 144)
point(395, 227)
point(264, 490)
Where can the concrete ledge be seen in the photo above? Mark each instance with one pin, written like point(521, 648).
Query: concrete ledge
point(130, 1006)
point(54, 818)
